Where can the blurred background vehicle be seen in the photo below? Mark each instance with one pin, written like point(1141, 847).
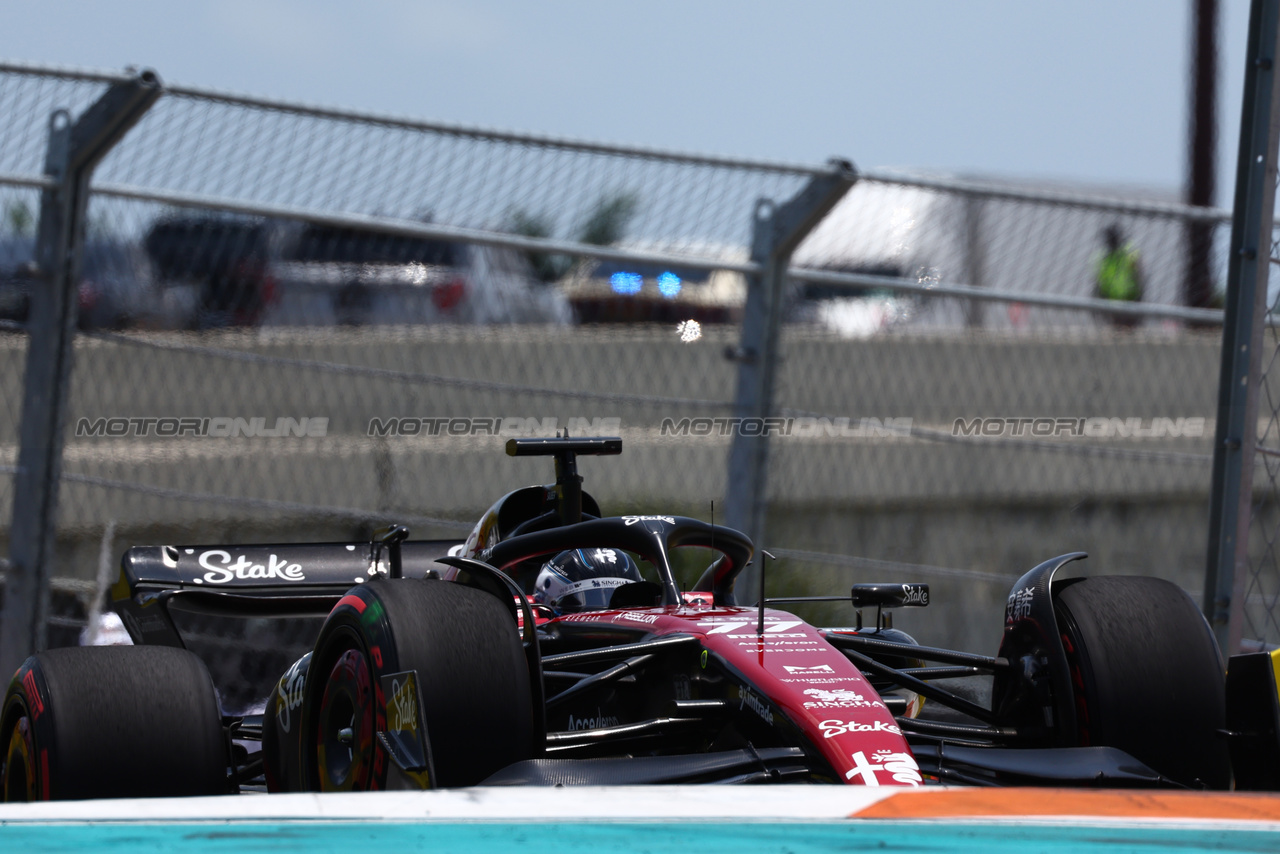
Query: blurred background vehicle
point(850, 312)
point(327, 274)
point(212, 271)
point(626, 292)
point(607, 292)
point(218, 271)
point(115, 289)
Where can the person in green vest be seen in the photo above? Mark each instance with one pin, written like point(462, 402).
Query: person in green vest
point(1119, 275)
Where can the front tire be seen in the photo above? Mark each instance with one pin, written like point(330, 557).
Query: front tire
point(471, 674)
point(1147, 675)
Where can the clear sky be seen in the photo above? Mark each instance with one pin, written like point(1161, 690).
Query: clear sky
point(1086, 90)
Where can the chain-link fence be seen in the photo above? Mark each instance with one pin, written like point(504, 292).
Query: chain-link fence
point(1034, 429)
point(299, 323)
point(1258, 591)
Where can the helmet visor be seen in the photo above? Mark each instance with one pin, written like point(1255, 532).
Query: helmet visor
point(587, 595)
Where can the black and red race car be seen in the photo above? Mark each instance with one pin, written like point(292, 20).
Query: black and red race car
point(557, 646)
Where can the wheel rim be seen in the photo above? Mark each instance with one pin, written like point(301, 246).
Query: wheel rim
point(19, 770)
point(345, 726)
point(1084, 722)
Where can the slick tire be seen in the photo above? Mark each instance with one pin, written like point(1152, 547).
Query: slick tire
point(472, 677)
point(1147, 675)
point(121, 721)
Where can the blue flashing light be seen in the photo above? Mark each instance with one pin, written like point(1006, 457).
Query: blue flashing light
point(626, 283)
point(669, 284)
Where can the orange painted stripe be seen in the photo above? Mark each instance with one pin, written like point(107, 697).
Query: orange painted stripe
point(1119, 803)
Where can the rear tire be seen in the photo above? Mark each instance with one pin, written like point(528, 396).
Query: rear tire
point(125, 721)
point(1147, 675)
point(472, 677)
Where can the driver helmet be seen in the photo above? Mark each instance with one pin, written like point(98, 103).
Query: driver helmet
point(583, 579)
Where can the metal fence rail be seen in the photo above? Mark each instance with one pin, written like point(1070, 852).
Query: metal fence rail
point(346, 271)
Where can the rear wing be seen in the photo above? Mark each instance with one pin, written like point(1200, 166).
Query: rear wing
point(253, 581)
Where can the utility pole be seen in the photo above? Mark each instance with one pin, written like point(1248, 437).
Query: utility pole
point(1202, 141)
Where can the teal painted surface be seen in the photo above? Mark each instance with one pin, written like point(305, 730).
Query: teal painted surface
point(623, 837)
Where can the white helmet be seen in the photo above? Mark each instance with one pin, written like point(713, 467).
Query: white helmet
point(583, 579)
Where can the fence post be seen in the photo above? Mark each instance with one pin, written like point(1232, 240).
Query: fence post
point(74, 151)
point(973, 256)
point(1235, 435)
point(777, 231)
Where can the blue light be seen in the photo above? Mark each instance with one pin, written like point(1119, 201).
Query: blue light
point(669, 284)
point(626, 283)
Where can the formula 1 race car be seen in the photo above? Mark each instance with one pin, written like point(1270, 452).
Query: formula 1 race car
point(555, 646)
